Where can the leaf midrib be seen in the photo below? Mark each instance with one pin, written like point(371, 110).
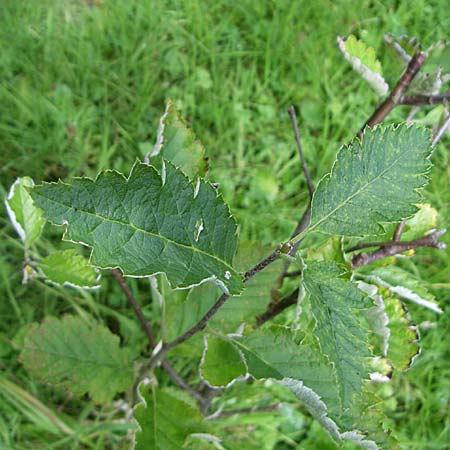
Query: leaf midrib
point(160, 236)
point(342, 204)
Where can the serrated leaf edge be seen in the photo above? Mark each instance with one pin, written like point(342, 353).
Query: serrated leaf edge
point(212, 278)
point(360, 140)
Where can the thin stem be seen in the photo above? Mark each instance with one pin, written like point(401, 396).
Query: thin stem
point(252, 410)
point(277, 308)
point(395, 248)
point(396, 95)
point(309, 182)
point(398, 231)
point(132, 301)
point(424, 100)
point(201, 324)
point(440, 131)
point(151, 337)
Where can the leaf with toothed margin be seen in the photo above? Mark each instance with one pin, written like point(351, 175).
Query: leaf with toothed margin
point(25, 217)
point(222, 362)
point(68, 268)
point(166, 418)
point(82, 357)
point(178, 144)
point(337, 305)
point(373, 181)
point(148, 223)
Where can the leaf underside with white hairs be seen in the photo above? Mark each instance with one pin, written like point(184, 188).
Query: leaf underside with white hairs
point(373, 181)
point(178, 144)
point(364, 61)
point(148, 223)
point(25, 217)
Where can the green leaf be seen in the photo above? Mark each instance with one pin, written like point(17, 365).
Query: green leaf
point(364, 61)
point(81, 357)
point(25, 217)
point(377, 318)
point(421, 223)
point(318, 409)
point(372, 181)
point(148, 223)
point(341, 330)
point(404, 336)
point(68, 268)
point(404, 284)
point(165, 419)
point(177, 143)
point(279, 353)
point(182, 311)
point(222, 362)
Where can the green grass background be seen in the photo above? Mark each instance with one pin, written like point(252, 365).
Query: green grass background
point(82, 85)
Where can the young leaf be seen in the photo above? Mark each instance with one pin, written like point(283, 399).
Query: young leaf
point(336, 304)
point(165, 419)
point(68, 268)
point(25, 217)
point(364, 61)
point(403, 343)
point(222, 362)
point(372, 181)
point(147, 224)
point(81, 357)
point(177, 143)
point(404, 284)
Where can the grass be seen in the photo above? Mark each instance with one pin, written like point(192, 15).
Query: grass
point(83, 84)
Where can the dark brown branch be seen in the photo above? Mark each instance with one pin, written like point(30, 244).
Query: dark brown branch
point(309, 182)
point(277, 308)
point(151, 337)
point(201, 324)
point(395, 96)
point(424, 100)
point(395, 248)
point(390, 248)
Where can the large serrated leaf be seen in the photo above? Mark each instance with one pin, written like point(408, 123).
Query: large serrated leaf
point(165, 419)
point(68, 268)
point(336, 304)
point(83, 358)
point(25, 217)
point(373, 181)
point(148, 223)
point(178, 144)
